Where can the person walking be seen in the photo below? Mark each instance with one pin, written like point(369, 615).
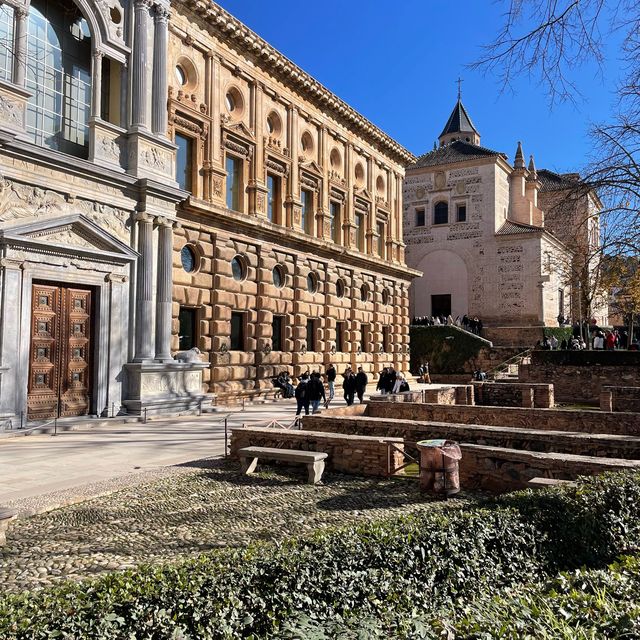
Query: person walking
point(349, 386)
point(302, 395)
point(361, 383)
point(391, 379)
point(382, 382)
point(315, 391)
point(331, 381)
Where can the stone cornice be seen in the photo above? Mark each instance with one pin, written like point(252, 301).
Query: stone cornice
point(279, 65)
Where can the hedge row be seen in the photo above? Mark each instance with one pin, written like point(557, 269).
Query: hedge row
point(424, 563)
point(446, 348)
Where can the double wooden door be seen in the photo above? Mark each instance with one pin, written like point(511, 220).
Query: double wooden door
point(60, 355)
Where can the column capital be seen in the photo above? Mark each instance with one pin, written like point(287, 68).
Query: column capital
point(143, 217)
point(142, 4)
point(21, 12)
point(97, 55)
point(161, 13)
point(161, 221)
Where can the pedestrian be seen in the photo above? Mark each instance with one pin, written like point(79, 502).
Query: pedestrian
point(315, 390)
point(391, 379)
point(349, 387)
point(553, 342)
point(401, 385)
point(302, 395)
point(361, 383)
point(382, 382)
point(331, 382)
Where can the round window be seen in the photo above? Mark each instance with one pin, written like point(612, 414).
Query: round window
point(278, 276)
point(312, 283)
point(271, 125)
point(238, 269)
point(340, 288)
point(188, 259)
point(181, 75)
point(385, 296)
point(229, 102)
point(364, 292)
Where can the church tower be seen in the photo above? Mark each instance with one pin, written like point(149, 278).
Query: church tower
point(459, 127)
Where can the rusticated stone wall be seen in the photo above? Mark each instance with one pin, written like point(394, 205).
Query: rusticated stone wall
point(360, 455)
point(620, 399)
point(513, 394)
point(547, 419)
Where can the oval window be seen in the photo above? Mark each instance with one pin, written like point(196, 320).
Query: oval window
point(364, 293)
point(278, 276)
point(340, 288)
point(312, 283)
point(188, 259)
point(181, 76)
point(238, 269)
point(385, 296)
point(230, 102)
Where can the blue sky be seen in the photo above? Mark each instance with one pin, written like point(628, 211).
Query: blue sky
point(397, 64)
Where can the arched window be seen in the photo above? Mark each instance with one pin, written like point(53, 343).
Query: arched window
point(441, 213)
point(59, 76)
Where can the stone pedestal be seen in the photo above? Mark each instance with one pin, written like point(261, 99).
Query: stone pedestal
point(164, 387)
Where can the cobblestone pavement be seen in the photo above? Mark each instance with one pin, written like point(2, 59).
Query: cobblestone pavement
point(198, 507)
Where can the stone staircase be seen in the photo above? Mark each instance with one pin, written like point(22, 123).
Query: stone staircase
point(509, 371)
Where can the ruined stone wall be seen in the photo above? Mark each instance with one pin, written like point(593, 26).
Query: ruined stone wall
point(360, 455)
point(513, 394)
point(620, 399)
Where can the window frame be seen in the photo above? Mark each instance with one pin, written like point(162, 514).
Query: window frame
point(438, 208)
point(194, 312)
point(341, 327)
point(279, 332)
point(190, 160)
point(311, 333)
point(421, 214)
point(461, 207)
point(307, 215)
point(274, 198)
point(335, 221)
point(240, 340)
point(236, 189)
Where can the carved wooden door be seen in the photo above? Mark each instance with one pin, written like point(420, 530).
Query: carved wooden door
point(60, 358)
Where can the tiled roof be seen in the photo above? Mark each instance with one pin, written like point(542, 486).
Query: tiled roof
point(552, 181)
point(510, 227)
point(456, 151)
point(458, 121)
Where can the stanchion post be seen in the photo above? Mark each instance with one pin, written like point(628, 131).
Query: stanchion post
point(22, 419)
point(243, 403)
point(55, 418)
point(144, 420)
point(226, 437)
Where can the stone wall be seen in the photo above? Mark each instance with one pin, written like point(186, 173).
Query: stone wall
point(513, 394)
point(515, 337)
point(582, 383)
point(620, 399)
point(601, 445)
point(547, 419)
point(360, 455)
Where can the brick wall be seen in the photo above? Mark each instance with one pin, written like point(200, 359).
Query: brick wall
point(552, 419)
point(579, 383)
point(359, 455)
point(513, 394)
point(620, 399)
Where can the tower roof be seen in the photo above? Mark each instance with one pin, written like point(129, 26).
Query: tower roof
point(459, 121)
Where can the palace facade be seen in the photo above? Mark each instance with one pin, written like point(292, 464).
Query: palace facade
point(170, 181)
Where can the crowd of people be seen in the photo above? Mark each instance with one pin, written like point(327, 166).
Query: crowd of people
point(473, 324)
point(600, 339)
point(310, 391)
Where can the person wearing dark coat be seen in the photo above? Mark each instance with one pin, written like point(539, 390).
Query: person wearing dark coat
point(349, 386)
point(382, 381)
point(302, 395)
point(315, 391)
point(361, 383)
point(392, 376)
point(331, 381)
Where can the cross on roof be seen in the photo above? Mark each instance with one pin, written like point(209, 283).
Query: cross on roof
point(459, 81)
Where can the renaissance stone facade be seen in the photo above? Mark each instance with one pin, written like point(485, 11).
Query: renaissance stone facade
point(168, 181)
point(475, 226)
point(290, 252)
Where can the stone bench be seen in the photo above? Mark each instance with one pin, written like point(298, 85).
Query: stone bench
point(6, 516)
point(542, 483)
point(314, 460)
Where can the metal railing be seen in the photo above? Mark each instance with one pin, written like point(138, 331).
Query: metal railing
point(504, 366)
point(391, 447)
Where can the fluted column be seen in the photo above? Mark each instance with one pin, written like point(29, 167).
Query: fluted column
point(96, 84)
point(139, 64)
point(20, 39)
point(144, 290)
point(159, 97)
point(164, 290)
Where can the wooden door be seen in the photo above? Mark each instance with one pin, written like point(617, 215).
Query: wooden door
point(60, 355)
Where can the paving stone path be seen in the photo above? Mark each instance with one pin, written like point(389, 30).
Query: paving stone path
point(197, 508)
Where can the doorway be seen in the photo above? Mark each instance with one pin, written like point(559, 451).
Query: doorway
point(60, 357)
point(441, 305)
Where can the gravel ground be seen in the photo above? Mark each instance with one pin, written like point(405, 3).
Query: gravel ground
point(196, 508)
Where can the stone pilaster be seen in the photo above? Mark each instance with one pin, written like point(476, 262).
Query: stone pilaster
point(20, 39)
point(96, 84)
point(139, 65)
point(164, 290)
point(159, 90)
point(144, 290)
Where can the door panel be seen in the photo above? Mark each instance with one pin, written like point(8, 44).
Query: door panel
point(60, 354)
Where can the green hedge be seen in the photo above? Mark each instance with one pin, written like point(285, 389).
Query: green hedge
point(424, 563)
point(562, 333)
point(447, 349)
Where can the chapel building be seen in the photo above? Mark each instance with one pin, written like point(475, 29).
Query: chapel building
point(168, 180)
point(476, 225)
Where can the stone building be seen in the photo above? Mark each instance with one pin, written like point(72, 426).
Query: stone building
point(475, 226)
point(170, 180)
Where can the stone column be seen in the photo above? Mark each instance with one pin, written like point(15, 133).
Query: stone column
point(164, 290)
point(144, 290)
point(20, 39)
point(96, 84)
point(159, 92)
point(139, 65)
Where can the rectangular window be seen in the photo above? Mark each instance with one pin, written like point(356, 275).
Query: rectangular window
point(277, 339)
point(461, 213)
point(381, 240)
point(420, 218)
point(365, 338)
point(237, 331)
point(311, 335)
point(273, 198)
point(6, 38)
point(386, 339)
point(334, 221)
point(188, 320)
point(234, 182)
point(340, 331)
point(184, 161)
point(441, 213)
point(307, 211)
point(360, 231)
